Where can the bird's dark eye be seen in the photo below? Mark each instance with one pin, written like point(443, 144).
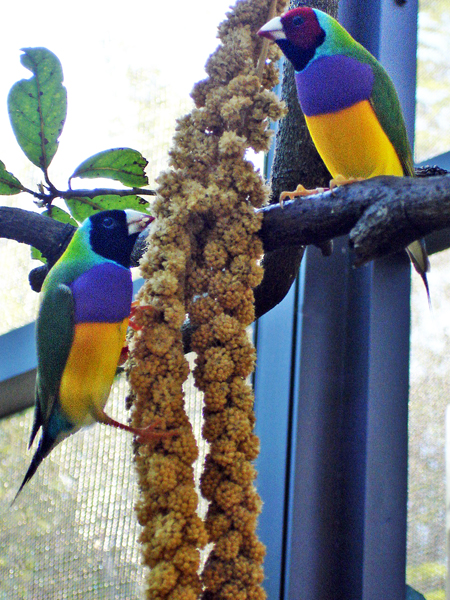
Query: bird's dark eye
point(297, 21)
point(109, 223)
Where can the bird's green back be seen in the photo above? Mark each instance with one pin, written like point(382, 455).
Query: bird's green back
point(384, 98)
point(385, 103)
point(55, 324)
point(55, 332)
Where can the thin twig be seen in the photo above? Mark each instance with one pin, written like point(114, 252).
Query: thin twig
point(265, 45)
point(53, 193)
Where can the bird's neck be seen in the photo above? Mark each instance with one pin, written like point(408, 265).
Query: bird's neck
point(77, 258)
point(299, 57)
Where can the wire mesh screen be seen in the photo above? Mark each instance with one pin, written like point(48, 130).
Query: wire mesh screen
point(430, 393)
point(430, 334)
point(72, 532)
point(433, 80)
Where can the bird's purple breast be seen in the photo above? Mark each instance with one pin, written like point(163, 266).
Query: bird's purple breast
point(103, 294)
point(331, 83)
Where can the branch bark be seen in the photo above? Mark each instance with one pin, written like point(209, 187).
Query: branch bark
point(48, 235)
point(382, 215)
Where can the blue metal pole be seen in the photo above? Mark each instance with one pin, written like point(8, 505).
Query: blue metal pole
point(275, 336)
point(346, 518)
point(387, 417)
point(314, 557)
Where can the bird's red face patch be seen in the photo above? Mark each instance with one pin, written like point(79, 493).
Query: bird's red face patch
point(302, 28)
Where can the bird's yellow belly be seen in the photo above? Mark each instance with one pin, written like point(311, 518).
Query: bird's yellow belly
point(90, 369)
point(352, 143)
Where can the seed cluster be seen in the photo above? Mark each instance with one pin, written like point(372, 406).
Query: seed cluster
point(203, 260)
point(172, 531)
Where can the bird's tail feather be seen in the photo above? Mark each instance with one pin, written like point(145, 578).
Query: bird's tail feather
point(46, 444)
point(37, 422)
point(417, 253)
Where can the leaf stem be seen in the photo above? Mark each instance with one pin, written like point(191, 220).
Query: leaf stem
point(105, 192)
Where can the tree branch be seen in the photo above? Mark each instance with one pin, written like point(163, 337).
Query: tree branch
point(68, 194)
point(382, 215)
point(47, 235)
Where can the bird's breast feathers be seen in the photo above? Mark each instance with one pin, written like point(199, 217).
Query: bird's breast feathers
point(102, 294)
point(90, 369)
point(102, 301)
point(352, 143)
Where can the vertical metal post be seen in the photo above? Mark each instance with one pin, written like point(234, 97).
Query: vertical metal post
point(314, 560)
point(384, 561)
point(275, 335)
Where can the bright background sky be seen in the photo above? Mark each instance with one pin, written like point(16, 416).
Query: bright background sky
point(128, 70)
point(97, 43)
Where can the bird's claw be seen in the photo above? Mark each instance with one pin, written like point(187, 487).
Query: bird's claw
point(341, 180)
point(123, 355)
point(146, 435)
point(135, 308)
point(300, 191)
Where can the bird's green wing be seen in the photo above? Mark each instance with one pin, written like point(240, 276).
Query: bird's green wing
point(386, 105)
point(54, 335)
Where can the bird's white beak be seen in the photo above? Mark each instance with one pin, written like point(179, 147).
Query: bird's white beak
point(137, 221)
point(273, 30)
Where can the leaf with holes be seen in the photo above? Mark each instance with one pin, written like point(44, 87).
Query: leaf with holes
point(122, 164)
point(37, 106)
point(59, 215)
point(9, 185)
point(82, 208)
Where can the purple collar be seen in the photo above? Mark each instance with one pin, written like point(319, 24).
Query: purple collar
point(331, 83)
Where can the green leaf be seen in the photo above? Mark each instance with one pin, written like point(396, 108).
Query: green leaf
point(82, 208)
point(59, 215)
point(122, 164)
point(37, 106)
point(37, 255)
point(9, 185)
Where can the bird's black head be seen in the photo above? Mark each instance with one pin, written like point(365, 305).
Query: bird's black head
point(298, 33)
point(113, 233)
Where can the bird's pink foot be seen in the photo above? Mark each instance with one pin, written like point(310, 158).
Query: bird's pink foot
point(144, 434)
point(123, 355)
point(135, 308)
point(151, 433)
point(300, 192)
point(342, 180)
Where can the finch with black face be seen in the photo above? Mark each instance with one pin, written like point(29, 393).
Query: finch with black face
point(81, 327)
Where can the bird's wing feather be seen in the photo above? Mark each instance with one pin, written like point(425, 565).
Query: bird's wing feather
point(385, 103)
point(55, 332)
